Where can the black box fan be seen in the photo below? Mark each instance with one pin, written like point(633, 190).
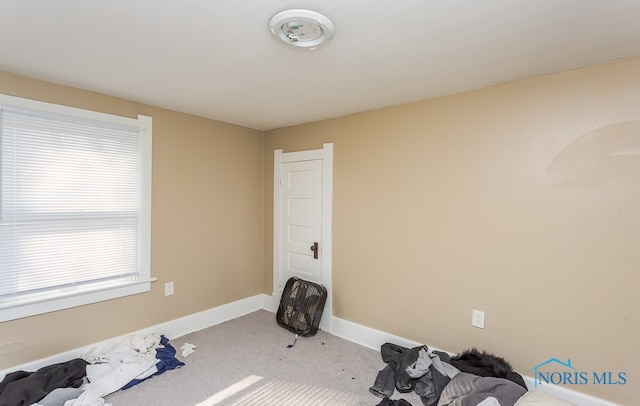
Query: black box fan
point(301, 306)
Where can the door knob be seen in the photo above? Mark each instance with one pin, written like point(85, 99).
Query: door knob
point(314, 248)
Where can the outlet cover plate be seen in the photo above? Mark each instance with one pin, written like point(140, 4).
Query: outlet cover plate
point(477, 318)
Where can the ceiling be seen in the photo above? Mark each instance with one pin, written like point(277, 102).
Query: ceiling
point(218, 59)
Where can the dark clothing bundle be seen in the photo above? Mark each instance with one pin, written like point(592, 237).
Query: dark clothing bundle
point(428, 373)
point(488, 365)
point(23, 388)
point(398, 359)
point(390, 402)
point(413, 369)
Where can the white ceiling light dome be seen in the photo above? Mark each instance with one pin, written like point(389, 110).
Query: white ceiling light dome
point(302, 28)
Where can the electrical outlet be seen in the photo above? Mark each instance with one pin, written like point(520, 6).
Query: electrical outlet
point(168, 289)
point(477, 318)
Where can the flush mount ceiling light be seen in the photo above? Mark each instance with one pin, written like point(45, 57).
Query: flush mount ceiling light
point(301, 28)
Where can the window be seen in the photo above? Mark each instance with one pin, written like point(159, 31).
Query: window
point(75, 207)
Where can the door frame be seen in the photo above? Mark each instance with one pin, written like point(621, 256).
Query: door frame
point(326, 155)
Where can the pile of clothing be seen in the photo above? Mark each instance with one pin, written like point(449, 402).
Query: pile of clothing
point(85, 381)
point(471, 378)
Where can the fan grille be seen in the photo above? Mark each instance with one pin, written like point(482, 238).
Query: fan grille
point(301, 306)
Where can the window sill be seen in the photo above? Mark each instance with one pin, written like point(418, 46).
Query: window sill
point(12, 309)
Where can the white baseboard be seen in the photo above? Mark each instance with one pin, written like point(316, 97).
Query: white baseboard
point(357, 333)
point(373, 339)
point(211, 317)
point(367, 336)
point(273, 302)
point(171, 329)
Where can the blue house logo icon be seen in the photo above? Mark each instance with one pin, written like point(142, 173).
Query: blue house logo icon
point(560, 377)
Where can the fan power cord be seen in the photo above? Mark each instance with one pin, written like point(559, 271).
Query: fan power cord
point(294, 342)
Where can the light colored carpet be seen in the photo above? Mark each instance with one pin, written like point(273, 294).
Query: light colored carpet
point(246, 362)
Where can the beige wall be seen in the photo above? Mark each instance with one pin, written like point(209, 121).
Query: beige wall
point(206, 224)
point(522, 200)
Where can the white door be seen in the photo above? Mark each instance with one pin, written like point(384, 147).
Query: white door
point(301, 221)
point(303, 194)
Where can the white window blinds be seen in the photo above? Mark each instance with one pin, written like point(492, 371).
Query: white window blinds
point(70, 202)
